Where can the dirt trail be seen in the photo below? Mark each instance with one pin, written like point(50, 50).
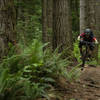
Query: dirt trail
point(87, 88)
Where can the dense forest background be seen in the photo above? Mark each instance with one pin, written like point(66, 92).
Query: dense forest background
point(39, 47)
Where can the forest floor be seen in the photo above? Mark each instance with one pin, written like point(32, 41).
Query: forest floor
point(86, 88)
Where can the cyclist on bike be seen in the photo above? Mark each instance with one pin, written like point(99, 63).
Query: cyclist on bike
point(87, 36)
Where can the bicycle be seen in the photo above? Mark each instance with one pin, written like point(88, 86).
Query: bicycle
point(85, 53)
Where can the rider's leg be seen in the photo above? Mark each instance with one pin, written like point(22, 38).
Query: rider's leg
point(81, 51)
point(91, 48)
point(80, 47)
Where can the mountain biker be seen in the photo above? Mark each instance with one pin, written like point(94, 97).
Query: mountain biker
point(87, 36)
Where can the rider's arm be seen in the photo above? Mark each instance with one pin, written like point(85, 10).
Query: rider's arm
point(80, 37)
point(95, 40)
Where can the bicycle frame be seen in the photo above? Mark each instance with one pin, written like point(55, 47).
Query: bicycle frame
point(85, 55)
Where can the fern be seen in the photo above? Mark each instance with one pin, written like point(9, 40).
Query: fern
point(74, 74)
point(32, 72)
point(3, 80)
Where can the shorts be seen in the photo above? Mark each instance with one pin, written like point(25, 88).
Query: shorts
point(91, 46)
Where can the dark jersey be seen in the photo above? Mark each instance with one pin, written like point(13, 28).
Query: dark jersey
point(91, 38)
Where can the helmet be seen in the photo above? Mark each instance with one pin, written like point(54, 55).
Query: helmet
point(87, 31)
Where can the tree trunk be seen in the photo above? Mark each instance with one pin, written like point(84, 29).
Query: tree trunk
point(97, 26)
point(61, 25)
point(47, 18)
point(97, 20)
point(75, 15)
point(83, 15)
point(7, 25)
point(97, 14)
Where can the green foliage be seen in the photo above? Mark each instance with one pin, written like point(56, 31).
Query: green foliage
point(74, 74)
point(31, 72)
point(3, 82)
point(75, 12)
point(28, 20)
point(75, 35)
point(76, 51)
point(72, 99)
point(55, 63)
point(99, 55)
point(34, 88)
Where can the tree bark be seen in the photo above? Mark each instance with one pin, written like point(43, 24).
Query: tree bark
point(61, 24)
point(83, 15)
point(75, 15)
point(97, 20)
point(97, 26)
point(7, 25)
point(47, 18)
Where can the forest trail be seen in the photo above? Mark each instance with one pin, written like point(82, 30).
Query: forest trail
point(87, 88)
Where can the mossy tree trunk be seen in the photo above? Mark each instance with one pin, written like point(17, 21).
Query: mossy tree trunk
point(7, 25)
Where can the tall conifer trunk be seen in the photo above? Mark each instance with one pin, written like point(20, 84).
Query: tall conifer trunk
point(7, 25)
point(47, 18)
point(83, 15)
point(61, 24)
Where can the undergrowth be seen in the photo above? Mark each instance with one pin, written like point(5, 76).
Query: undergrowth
point(34, 71)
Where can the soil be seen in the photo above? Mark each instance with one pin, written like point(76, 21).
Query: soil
point(86, 88)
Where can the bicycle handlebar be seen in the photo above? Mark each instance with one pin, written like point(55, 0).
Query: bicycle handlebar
point(86, 42)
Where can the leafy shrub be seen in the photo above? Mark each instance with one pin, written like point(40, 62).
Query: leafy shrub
point(32, 72)
point(76, 51)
